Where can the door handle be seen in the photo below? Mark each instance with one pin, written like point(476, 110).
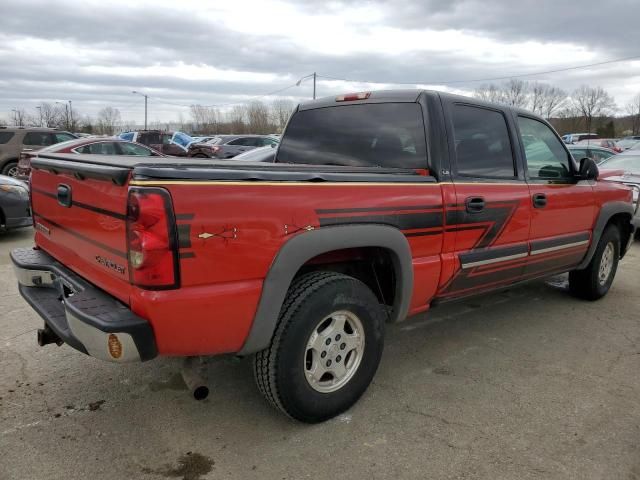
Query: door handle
point(474, 204)
point(64, 195)
point(539, 200)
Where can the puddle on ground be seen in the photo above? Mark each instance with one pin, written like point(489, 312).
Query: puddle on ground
point(191, 466)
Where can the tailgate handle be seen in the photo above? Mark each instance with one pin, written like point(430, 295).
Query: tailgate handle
point(64, 195)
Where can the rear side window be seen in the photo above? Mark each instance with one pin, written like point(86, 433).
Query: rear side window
point(246, 142)
point(38, 139)
point(382, 134)
point(5, 137)
point(483, 148)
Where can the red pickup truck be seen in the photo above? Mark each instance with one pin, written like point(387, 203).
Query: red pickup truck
point(379, 206)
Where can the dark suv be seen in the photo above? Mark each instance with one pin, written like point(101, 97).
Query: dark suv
point(175, 144)
point(15, 140)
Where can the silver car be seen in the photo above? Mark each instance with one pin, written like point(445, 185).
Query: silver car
point(228, 146)
point(629, 162)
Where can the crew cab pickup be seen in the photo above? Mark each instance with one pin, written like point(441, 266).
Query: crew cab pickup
point(379, 206)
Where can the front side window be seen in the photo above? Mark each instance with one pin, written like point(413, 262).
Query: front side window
point(483, 148)
point(133, 149)
point(545, 155)
point(372, 135)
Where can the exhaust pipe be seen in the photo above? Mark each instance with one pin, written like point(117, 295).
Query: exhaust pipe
point(194, 376)
point(47, 336)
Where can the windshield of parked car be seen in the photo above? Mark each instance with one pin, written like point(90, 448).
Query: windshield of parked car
point(382, 134)
point(628, 163)
point(182, 139)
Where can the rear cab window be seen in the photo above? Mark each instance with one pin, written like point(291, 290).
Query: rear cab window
point(482, 143)
point(390, 135)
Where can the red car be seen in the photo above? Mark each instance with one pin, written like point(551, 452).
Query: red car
point(379, 206)
point(87, 145)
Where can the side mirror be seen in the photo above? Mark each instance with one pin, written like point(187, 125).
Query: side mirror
point(588, 169)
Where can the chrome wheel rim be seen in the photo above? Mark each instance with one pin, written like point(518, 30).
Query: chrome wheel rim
point(334, 351)
point(606, 263)
point(13, 172)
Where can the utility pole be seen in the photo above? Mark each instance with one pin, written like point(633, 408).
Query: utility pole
point(40, 115)
point(314, 75)
point(145, 106)
point(70, 116)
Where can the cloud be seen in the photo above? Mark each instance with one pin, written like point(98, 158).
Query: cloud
point(95, 53)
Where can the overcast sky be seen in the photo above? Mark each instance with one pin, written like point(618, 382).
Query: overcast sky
point(219, 52)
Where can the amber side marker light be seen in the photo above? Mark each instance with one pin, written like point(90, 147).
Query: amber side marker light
point(115, 347)
point(350, 97)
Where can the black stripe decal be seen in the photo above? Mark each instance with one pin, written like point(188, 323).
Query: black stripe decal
point(106, 248)
point(184, 235)
point(559, 241)
point(184, 216)
point(86, 206)
point(378, 209)
point(187, 255)
point(407, 221)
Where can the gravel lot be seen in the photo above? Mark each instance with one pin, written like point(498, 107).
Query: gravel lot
point(526, 383)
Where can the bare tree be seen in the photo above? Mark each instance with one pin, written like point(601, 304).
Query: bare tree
point(516, 93)
point(52, 115)
point(592, 102)
point(633, 109)
point(236, 118)
point(489, 93)
point(258, 117)
point(281, 110)
point(108, 120)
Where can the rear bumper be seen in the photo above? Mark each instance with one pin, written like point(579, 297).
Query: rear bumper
point(83, 316)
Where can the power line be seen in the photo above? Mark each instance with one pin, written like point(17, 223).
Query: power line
point(491, 79)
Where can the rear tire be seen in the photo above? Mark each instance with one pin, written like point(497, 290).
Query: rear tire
point(594, 282)
point(326, 347)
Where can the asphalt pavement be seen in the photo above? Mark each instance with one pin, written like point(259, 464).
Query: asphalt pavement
point(520, 384)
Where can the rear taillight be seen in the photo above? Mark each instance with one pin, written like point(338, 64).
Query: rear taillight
point(151, 239)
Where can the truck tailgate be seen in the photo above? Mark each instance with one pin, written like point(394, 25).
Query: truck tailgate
point(80, 221)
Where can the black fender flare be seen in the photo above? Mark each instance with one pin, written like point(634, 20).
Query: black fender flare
point(305, 246)
point(607, 211)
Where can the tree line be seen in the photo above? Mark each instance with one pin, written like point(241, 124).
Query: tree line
point(588, 109)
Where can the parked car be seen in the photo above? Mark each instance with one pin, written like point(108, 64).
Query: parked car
point(15, 211)
point(15, 140)
point(629, 163)
point(300, 262)
point(598, 154)
point(609, 143)
point(260, 154)
point(576, 137)
point(175, 144)
point(88, 145)
point(628, 143)
point(228, 146)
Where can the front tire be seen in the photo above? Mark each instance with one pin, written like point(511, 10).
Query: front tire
point(11, 170)
point(594, 282)
point(326, 347)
